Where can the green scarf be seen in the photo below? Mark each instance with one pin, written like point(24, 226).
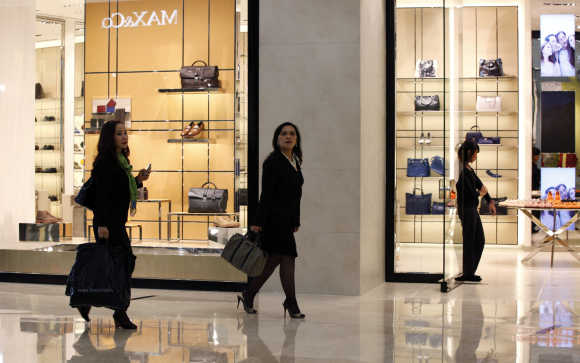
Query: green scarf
point(132, 182)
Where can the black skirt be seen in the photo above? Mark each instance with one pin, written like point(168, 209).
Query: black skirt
point(278, 238)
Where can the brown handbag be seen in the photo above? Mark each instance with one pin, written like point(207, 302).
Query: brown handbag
point(199, 77)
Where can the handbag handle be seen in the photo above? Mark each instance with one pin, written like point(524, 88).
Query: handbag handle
point(417, 189)
point(199, 61)
point(476, 127)
point(209, 183)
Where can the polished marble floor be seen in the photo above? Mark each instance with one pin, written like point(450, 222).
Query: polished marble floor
point(521, 313)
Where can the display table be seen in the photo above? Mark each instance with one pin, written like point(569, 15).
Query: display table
point(181, 215)
point(553, 234)
point(159, 213)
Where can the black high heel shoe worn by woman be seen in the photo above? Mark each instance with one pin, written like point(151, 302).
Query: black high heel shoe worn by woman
point(279, 217)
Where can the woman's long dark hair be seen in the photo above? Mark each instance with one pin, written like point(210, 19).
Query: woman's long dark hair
point(297, 148)
point(551, 58)
point(466, 151)
point(106, 148)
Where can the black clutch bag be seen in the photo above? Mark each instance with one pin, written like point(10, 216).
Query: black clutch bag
point(427, 103)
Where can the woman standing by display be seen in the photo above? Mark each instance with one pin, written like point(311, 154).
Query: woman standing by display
point(565, 55)
point(279, 216)
point(469, 189)
point(116, 192)
point(548, 64)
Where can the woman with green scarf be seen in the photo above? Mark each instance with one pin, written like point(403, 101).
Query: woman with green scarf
point(116, 193)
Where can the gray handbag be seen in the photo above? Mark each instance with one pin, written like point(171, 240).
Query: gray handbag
point(244, 254)
point(207, 200)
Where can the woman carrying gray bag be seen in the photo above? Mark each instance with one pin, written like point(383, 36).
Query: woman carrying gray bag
point(279, 217)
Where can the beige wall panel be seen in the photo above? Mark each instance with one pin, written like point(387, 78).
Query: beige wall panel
point(405, 102)
point(195, 106)
point(152, 147)
point(507, 233)
point(433, 232)
point(405, 30)
point(468, 43)
point(96, 36)
point(79, 67)
point(176, 126)
point(164, 185)
point(507, 28)
point(222, 33)
point(95, 87)
point(222, 151)
point(91, 142)
point(196, 31)
point(486, 33)
point(490, 231)
point(195, 156)
point(151, 47)
point(48, 70)
point(433, 37)
point(406, 231)
point(221, 104)
point(147, 103)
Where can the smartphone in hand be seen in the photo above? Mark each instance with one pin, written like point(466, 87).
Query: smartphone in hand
point(148, 170)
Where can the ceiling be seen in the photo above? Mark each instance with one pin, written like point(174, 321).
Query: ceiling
point(540, 7)
point(71, 9)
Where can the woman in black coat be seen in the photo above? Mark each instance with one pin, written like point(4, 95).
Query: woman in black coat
point(279, 216)
point(469, 189)
point(115, 192)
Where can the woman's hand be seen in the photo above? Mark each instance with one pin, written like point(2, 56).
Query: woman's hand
point(296, 229)
point(483, 191)
point(103, 232)
point(256, 229)
point(142, 176)
point(492, 207)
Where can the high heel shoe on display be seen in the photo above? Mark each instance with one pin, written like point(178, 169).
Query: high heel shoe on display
point(122, 320)
point(197, 129)
point(421, 139)
point(187, 129)
point(428, 138)
point(246, 303)
point(84, 311)
point(293, 310)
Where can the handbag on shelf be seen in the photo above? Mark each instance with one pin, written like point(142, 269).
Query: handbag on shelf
point(488, 104)
point(426, 68)
point(493, 140)
point(244, 253)
point(199, 77)
point(417, 203)
point(438, 208)
point(87, 195)
point(499, 210)
point(243, 196)
point(418, 168)
point(427, 103)
point(207, 200)
point(473, 135)
point(490, 68)
point(437, 165)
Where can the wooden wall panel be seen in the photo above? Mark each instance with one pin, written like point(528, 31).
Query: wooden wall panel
point(96, 37)
point(222, 33)
point(433, 37)
point(468, 43)
point(405, 52)
point(507, 28)
point(151, 47)
point(196, 44)
point(486, 33)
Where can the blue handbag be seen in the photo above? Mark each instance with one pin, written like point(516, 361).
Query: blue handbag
point(418, 167)
point(417, 203)
point(87, 196)
point(438, 208)
point(437, 165)
point(473, 135)
point(494, 140)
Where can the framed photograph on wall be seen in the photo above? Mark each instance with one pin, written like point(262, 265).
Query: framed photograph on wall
point(557, 45)
point(563, 182)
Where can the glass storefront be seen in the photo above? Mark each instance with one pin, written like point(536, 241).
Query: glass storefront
point(456, 73)
point(140, 63)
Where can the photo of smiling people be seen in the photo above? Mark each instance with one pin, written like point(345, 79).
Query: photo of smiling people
point(557, 45)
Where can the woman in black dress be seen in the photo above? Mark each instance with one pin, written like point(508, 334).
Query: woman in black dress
point(469, 189)
point(116, 191)
point(279, 216)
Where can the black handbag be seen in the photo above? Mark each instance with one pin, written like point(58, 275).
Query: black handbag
point(473, 136)
point(87, 196)
point(199, 77)
point(207, 200)
point(243, 196)
point(490, 68)
point(499, 210)
point(427, 103)
point(38, 92)
point(245, 254)
point(417, 204)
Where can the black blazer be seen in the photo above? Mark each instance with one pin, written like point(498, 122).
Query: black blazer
point(113, 196)
point(281, 192)
point(468, 186)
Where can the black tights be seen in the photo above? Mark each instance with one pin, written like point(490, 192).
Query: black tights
point(287, 264)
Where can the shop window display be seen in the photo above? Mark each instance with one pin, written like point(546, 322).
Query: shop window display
point(456, 79)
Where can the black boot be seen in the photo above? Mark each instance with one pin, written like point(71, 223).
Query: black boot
point(291, 305)
point(84, 311)
point(122, 320)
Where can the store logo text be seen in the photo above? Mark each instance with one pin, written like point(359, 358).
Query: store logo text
point(118, 20)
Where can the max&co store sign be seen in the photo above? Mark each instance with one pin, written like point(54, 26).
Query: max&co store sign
point(137, 19)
